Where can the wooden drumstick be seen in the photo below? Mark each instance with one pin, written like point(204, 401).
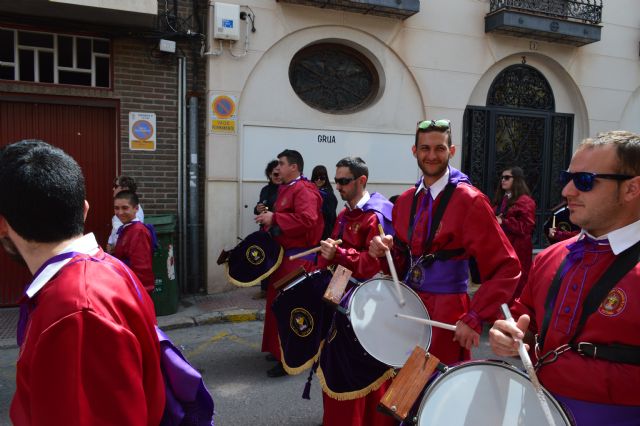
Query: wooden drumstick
point(428, 322)
point(528, 365)
point(553, 222)
point(311, 251)
point(392, 268)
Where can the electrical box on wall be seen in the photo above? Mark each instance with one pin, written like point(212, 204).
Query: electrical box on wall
point(226, 23)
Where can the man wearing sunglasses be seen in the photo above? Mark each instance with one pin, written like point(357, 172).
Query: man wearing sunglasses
point(439, 225)
point(297, 225)
point(581, 301)
point(356, 225)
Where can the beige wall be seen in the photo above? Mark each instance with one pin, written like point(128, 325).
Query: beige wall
point(433, 64)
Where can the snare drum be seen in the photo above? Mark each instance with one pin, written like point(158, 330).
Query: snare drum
point(303, 319)
point(485, 393)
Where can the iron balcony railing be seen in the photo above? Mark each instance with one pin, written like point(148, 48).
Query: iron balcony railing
point(588, 11)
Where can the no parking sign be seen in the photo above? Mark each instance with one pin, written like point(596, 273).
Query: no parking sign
point(223, 113)
point(142, 131)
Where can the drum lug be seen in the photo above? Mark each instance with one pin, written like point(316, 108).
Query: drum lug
point(394, 408)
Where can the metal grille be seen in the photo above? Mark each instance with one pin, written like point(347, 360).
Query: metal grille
point(589, 11)
point(521, 86)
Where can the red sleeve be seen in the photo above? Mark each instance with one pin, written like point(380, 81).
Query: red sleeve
point(521, 216)
point(358, 262)
point(306, 213)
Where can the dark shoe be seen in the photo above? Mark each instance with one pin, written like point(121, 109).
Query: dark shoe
point(270, 357)
point(277, 371)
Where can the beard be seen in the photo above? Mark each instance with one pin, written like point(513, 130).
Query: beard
point(436, 171)
point(11, 249)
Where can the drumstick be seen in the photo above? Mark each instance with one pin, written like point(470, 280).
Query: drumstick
point(311, 251)
point(526, 361)
point(553, 222)
point(428, 322)
point(392, 268)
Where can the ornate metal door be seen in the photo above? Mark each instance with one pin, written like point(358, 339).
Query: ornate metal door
point(519, 127)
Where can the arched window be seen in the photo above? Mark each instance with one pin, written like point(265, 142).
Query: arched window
point(521, 86)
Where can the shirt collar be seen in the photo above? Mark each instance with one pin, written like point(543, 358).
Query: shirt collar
point(361, 202)
point(437, 187)
point(294, 181)
point(621, 238)
point(86, 244)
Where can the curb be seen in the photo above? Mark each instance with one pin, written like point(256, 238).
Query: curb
point(174, 322)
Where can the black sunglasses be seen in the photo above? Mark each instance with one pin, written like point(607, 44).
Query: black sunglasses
point(434, 124)
point(584, 180)
point(344, 181)
point(506, 177)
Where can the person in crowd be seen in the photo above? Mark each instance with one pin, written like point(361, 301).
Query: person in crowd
point(579, 302)
point(135, 243)
point(296, 224)
point(559, 227)
point(516, 213)
point(439, 225)
point(89, 353)
point(357, 224)
point(320, 177)
point(122, 183)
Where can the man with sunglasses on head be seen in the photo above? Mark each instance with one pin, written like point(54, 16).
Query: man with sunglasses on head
point(356, 225)
point(296, 224)
point(441, 224)
point(579, 311)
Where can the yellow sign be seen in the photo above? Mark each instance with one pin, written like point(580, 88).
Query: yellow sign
point(223, 126)
point(142, 131)
point(222, 110)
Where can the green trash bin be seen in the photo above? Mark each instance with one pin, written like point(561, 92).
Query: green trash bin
point(165, 294)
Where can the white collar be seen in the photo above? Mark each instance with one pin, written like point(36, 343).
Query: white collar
point(294, 181)
point(86, 244)
point(621, 238)
point(365, 197)
point(437, 186)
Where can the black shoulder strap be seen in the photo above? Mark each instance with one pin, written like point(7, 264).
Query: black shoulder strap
point(437, 216)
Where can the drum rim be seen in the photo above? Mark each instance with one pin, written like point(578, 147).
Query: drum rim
point(297, 279)
point(407, 288)
point(494, 363)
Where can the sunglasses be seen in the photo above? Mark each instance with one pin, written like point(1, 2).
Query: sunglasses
point(344, 181)
point(506, 177)
point(584, 180)
point(434, 124)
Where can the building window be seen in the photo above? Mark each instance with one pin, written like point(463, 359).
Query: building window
point(334, 78)
point(54, 58)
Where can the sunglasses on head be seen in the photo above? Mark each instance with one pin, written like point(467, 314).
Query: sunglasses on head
point(434, 124)
point(584, 180)
point(344, 181)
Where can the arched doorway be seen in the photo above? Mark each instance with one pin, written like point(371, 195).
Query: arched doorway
point(519, 127)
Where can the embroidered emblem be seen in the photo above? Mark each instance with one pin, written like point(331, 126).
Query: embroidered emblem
point(564, 226)
point(255, 255)
point(415, 276)
point(301, 322)
point(614, 303)
point(355, 228)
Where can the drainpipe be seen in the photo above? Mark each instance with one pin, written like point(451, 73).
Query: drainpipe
point(193, 224)
point(182, 186)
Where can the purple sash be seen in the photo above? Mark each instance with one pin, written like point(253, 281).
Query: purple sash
point(585, 413)
point(382, 208)
point(440, 276)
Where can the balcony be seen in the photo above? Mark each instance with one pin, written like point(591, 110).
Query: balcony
point(573, 22)
point(398, 9)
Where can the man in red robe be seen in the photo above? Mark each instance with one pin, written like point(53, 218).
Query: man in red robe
point(296, 225)
point(433, 253)
point(89, 353)
point(356, 225)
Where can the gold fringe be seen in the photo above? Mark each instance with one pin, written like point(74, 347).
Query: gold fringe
point(292, 371)
point(257, 280)
point(345, 396)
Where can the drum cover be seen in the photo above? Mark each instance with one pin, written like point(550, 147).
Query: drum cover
point(253, 260)
point(485, 393)
point(303, 320)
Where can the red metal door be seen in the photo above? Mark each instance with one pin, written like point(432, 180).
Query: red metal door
point(88, 134)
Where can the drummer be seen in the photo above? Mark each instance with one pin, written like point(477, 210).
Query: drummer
point(356, 225)
point(434, 257)
point(597, 378)
point(296, 225)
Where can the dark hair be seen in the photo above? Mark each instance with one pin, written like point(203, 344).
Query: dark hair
point(627, 149)
point(130, 196)
point(293, 157)
point(270, 166)
point(433, 129)
point(393, 198)
point(42, 192)
point(518, 188)
point(126, 182)
point(356, 166)
point(320, 172)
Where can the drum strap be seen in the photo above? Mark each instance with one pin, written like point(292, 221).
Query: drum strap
point(623, 263)
point(437, 216)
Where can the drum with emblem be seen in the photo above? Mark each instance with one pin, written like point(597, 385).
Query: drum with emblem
point(303, 319)
point(253, 260)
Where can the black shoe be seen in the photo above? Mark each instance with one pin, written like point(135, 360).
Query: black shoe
point(270, 357)
point(277, 371)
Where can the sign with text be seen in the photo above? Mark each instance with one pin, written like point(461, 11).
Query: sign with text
point(142, 131)
point(222, 113)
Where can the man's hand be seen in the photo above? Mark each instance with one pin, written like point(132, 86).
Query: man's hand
point(261, 208)
point(466, 336)
point(503, 334)
point(552, 232)
point(265, 218)
point(328, 248)
point(499, 219)
point(379, 245)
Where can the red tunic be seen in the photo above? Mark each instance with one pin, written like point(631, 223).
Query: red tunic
point(299, 216)
point(468, 223)
point(133, 247)
point(615, 321)
point(91, 355)
point(518, 224)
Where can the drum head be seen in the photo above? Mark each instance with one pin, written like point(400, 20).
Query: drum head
point(388, 339)
point(485, 393)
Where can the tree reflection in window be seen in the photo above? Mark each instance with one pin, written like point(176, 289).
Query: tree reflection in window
point(333, 78)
